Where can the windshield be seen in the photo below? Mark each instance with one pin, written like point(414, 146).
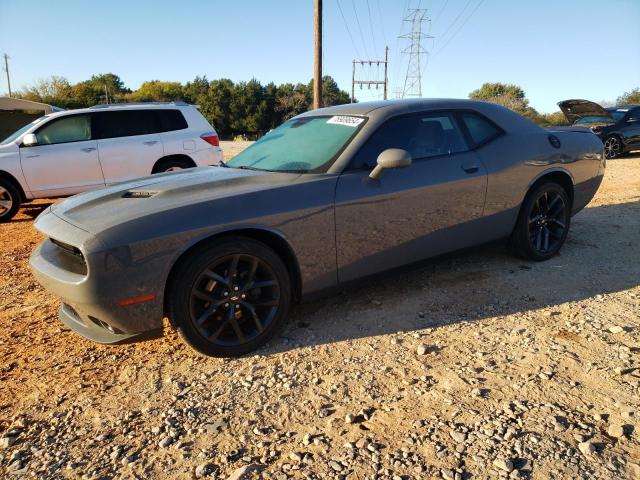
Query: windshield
point(307, 144)
point(593, 120)
point(19, 132)
point(618, 114)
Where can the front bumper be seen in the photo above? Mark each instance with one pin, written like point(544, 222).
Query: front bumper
point(91, 299)
point(97, 331)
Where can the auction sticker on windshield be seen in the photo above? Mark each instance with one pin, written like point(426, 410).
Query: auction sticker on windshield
point(345, 120)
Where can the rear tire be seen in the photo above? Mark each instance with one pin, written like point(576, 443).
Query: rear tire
point(172, 165)
point(9, 200)
point(229, 297)
point(543, 223)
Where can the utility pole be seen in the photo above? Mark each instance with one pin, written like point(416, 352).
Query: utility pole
point(413, 78)
point(369, 82)
point(317, 51)
point(6, 69)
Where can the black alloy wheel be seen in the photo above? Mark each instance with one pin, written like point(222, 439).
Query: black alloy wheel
point(543, 223)
point(236, 298)
point(612, 147)
point(547, 222)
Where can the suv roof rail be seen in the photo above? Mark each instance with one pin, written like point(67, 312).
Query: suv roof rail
point(179, 103)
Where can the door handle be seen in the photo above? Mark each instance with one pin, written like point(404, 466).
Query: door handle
point(151, 142)
point(33, 156)
point(88, 149)
point(470, 167)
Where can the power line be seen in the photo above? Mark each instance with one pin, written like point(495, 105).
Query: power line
point(346, 25)
point(455, 20)
point(384, 34)
point(460, 28)
point(440, 12)
point(364, 44)
point(399, 62)
point(373, 37)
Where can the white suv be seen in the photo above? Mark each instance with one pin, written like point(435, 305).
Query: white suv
point(69, 152)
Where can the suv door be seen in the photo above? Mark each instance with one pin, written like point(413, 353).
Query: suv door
point(128, 143)
point(65, 160)
point(410, 213)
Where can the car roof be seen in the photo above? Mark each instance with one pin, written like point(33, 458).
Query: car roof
point(394, 107)
point(122, 106)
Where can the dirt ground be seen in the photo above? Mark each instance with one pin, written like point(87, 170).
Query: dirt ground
point(478, 365)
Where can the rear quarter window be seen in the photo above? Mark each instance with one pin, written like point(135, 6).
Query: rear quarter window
point(170, 120)
point(481, 130)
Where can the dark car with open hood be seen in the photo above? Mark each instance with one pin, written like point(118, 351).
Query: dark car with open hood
point(617, 127)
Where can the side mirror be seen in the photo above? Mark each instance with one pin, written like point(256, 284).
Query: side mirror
point(390, 158)
point(29, 140)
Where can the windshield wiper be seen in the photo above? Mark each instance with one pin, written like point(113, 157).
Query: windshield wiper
point(222, 164)
point(246, 167)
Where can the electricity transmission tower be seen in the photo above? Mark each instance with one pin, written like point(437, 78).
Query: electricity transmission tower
point(362, 81)
point(413, 79)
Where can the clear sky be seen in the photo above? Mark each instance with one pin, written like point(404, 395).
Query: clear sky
point(553, 49)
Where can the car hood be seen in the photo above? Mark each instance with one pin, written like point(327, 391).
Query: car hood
point(119, 203)
point(577, 109)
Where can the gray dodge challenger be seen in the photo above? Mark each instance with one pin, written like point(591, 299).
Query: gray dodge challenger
point(329, 197)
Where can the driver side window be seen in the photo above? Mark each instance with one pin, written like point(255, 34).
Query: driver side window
point(423, 136)
point(67, 129)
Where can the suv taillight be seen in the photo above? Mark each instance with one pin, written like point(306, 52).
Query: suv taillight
point(211, 138)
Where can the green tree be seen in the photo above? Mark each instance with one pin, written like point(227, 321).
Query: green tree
point(157, 91)
point(555, 118)
point(54, 90)
point(630, 98)
point(509, 96)
point(292, 100)
point(331, 93)
point(98, 89)
point(491, 91)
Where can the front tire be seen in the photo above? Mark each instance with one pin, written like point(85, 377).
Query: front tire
point(612, 147)
point(543, 223)
point(229, 297)
point(9, 200)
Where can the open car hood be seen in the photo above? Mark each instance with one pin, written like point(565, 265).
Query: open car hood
point(577, 109)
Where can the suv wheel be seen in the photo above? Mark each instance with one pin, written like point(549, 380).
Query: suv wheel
point(612, 147)
point(9, 200)
point(543, 223)
point(172, 166)
point(230, 297)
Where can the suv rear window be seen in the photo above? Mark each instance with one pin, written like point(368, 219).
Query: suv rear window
point(169, 120)
point(127, 123)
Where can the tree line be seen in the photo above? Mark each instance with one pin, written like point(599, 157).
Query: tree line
point(249, 108)
point(234, 108)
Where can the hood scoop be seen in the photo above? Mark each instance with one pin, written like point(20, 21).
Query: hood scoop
point(139, 194)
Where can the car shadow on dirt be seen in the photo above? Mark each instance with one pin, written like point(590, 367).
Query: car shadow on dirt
point(599, 257)
point(31, 210)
